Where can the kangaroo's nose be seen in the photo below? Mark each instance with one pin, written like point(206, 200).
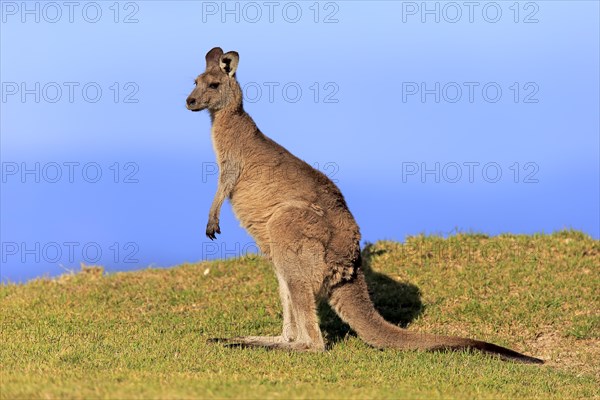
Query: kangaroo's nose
point(191, 101)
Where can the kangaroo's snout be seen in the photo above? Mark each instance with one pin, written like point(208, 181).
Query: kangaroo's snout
point(192, 104)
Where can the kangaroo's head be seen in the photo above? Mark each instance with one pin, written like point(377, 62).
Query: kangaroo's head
point(217, 88)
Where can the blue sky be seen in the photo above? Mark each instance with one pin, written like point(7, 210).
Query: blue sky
point(430, 120)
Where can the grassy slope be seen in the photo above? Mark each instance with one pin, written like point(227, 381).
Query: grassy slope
point(143, 334)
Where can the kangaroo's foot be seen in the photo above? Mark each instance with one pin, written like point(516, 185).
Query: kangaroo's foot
point(268, 342)
point(249, 339)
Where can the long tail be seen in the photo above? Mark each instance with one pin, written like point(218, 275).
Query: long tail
point(352, 303)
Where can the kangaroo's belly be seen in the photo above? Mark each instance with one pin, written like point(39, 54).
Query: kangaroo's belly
point(254, 208)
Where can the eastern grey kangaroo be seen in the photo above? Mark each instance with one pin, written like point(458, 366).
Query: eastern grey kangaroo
point(301, 222)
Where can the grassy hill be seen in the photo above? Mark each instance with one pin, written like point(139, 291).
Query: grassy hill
point(144, 334)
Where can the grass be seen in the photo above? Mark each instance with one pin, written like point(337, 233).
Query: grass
point(144, 334)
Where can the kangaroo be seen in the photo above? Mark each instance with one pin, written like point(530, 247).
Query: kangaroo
point(301, 222)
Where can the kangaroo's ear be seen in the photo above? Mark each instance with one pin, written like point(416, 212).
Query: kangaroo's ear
point(229, 62)
point(213, 57)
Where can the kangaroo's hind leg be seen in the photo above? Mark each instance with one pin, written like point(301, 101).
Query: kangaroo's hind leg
point(298, 258)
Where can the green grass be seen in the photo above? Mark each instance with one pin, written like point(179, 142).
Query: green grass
point(144, 334)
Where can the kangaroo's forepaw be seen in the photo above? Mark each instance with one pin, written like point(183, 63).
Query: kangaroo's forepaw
point(212, 228)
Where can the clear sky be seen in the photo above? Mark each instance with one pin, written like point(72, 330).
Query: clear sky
point(431, 117)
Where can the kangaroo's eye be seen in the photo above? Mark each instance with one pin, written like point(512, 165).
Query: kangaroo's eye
point(213, 85)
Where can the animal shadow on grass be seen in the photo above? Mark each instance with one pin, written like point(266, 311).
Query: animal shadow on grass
point(398, 302)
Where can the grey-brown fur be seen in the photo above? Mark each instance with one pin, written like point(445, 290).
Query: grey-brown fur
point(300, 220)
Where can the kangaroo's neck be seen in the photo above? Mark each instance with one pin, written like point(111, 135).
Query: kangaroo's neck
point(233, 131)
